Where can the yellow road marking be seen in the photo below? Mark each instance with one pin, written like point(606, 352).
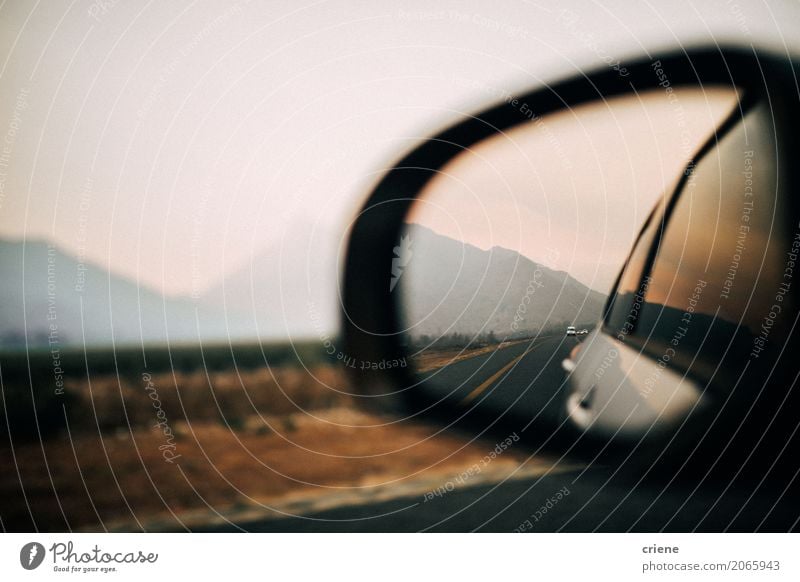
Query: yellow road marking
point(475, 393)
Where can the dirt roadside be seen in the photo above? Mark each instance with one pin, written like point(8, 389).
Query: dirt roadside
point(290, 463)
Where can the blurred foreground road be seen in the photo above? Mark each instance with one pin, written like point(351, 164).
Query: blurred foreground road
point(596, 501)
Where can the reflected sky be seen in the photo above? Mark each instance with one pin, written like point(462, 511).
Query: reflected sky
point(571, 190)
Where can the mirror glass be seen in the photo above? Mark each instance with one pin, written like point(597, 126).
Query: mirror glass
point(506, 260)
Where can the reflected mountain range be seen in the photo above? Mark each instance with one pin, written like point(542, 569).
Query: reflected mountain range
point(451, 287)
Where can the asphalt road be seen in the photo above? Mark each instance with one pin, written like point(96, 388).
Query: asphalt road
point(527, 380)
point(524, 379)
point(592, 500)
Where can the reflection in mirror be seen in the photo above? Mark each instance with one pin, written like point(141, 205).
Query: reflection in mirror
point(704, 247)
point(509, 254)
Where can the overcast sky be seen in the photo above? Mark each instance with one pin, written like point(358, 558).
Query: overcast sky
point(171, 141)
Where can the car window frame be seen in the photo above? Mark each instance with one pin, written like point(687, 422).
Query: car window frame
point(743, 106)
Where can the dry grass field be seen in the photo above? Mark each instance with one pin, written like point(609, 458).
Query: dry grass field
point(138, 447)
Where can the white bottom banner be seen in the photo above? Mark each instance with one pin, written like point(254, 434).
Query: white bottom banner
point(400, 557)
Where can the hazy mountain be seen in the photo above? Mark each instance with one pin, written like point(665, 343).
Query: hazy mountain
point(452, 287)
point(277, 294)
point(47, 294)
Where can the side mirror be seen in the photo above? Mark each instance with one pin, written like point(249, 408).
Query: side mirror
point(477, 249)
